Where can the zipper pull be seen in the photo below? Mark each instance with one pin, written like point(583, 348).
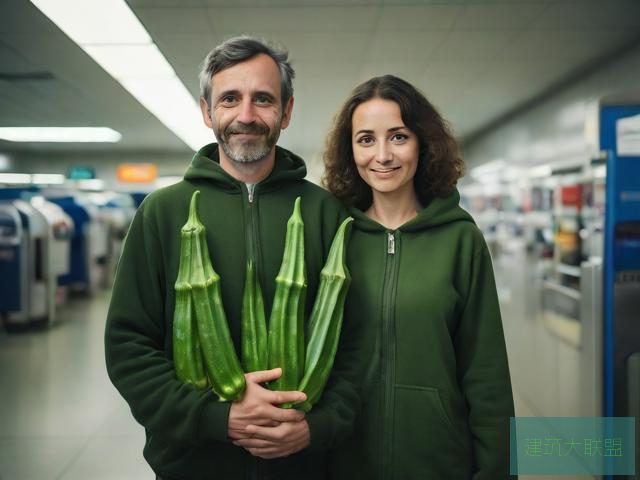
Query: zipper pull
point(250, 187)
point(391, 243)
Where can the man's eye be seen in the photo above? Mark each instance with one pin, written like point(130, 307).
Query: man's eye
point(263, 99)
point(228, 99)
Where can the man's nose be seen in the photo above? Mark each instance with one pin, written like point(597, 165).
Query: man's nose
point(246, 114)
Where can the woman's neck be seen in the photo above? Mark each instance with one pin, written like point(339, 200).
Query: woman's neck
point(393, 209)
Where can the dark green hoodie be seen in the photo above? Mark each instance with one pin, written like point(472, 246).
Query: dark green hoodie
point(186, 429)
point(438, 396)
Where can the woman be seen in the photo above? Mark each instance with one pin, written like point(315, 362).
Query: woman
point(437, 388)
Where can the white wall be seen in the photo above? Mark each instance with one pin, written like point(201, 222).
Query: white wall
point(557, 129)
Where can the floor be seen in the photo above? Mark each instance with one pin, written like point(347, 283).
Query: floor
point(61, 419)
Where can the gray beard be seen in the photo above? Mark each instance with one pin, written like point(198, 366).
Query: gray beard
point(250, 152)
point(244, 154)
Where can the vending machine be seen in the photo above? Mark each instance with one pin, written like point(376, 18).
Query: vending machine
point(620, 138)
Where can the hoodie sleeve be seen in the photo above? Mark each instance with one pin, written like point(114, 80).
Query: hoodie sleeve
point(331, 420)
point(483, 371)
point(134, 349)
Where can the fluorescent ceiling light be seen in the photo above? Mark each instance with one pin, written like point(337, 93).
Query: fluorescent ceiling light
point(95, 21)
point(47, 178)
point(172, 104)
point(15, 178)
point(126, 61)
point(59, 134)
point(110, 33)
point(93, 184)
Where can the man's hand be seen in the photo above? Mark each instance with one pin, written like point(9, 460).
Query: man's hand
point(279, 441)
point(258, 406)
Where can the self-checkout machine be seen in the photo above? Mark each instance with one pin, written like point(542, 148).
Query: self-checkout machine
point(57, 261)
point(13, 264)
point(116, 212)
point(89, 244)
point(31, 239)
point(620, 138)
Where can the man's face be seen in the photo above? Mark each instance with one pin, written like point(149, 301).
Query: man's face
point(246, 109)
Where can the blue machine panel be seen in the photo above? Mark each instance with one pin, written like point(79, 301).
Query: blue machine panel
point(621, 262)
point(79, 268)
point(10, 291)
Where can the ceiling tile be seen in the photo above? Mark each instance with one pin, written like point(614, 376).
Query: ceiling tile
point(452, 68)
point(474, 45)
point(12, 62)
point(323, 47)
point(425, 17)
point(409, 71)
point(590, 14)
point(580, 45)
point(159, 20)
point(166, 3)
point(497, 16)
point(21, 16)
point(287, 3)
point(398, 45)
point(293, 19)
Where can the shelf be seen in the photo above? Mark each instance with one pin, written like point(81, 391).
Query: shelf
point(566, 291)
point(570, 270)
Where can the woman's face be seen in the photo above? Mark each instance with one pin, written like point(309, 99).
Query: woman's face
point(385, 150)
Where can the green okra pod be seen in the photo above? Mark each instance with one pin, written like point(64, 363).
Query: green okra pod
point(326, 319)
point(253, 328)
point(187, 356)
point(220, 359)
point(286, 323)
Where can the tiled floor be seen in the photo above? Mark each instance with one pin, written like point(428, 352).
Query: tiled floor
point(60, 417)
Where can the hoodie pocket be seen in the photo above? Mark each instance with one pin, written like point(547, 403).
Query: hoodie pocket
point(427, 442)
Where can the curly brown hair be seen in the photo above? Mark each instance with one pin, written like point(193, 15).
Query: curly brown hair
point(439, 165)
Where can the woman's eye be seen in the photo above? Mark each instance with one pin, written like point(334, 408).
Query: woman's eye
point(366, 140)
point(399, 137)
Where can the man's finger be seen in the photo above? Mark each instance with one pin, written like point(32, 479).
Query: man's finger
point(277, 398)
point(262, 376)
point(274, 435)
point(267, 453)
point(285, 414)
point(253, 443)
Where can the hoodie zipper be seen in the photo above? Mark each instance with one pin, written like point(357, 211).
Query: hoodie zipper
point(253, 254)
point(389, 351)
point(253, 245)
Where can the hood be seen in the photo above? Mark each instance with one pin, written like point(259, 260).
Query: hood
point(206, 165)
point(438, 211)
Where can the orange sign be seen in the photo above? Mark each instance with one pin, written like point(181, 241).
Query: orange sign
point(137, 172)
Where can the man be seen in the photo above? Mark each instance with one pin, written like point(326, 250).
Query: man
point(248, 186)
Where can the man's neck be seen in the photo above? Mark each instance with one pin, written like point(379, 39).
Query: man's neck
point(249, 172)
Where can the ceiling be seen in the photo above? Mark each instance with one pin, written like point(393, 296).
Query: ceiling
point(476, 60)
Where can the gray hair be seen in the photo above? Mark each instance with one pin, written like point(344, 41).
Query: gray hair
point(239, 49)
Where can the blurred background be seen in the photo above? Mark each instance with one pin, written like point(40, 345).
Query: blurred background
point(98, 107)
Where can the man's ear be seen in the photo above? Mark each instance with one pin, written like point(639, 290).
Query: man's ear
point(206, 112)
point(286, 114)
